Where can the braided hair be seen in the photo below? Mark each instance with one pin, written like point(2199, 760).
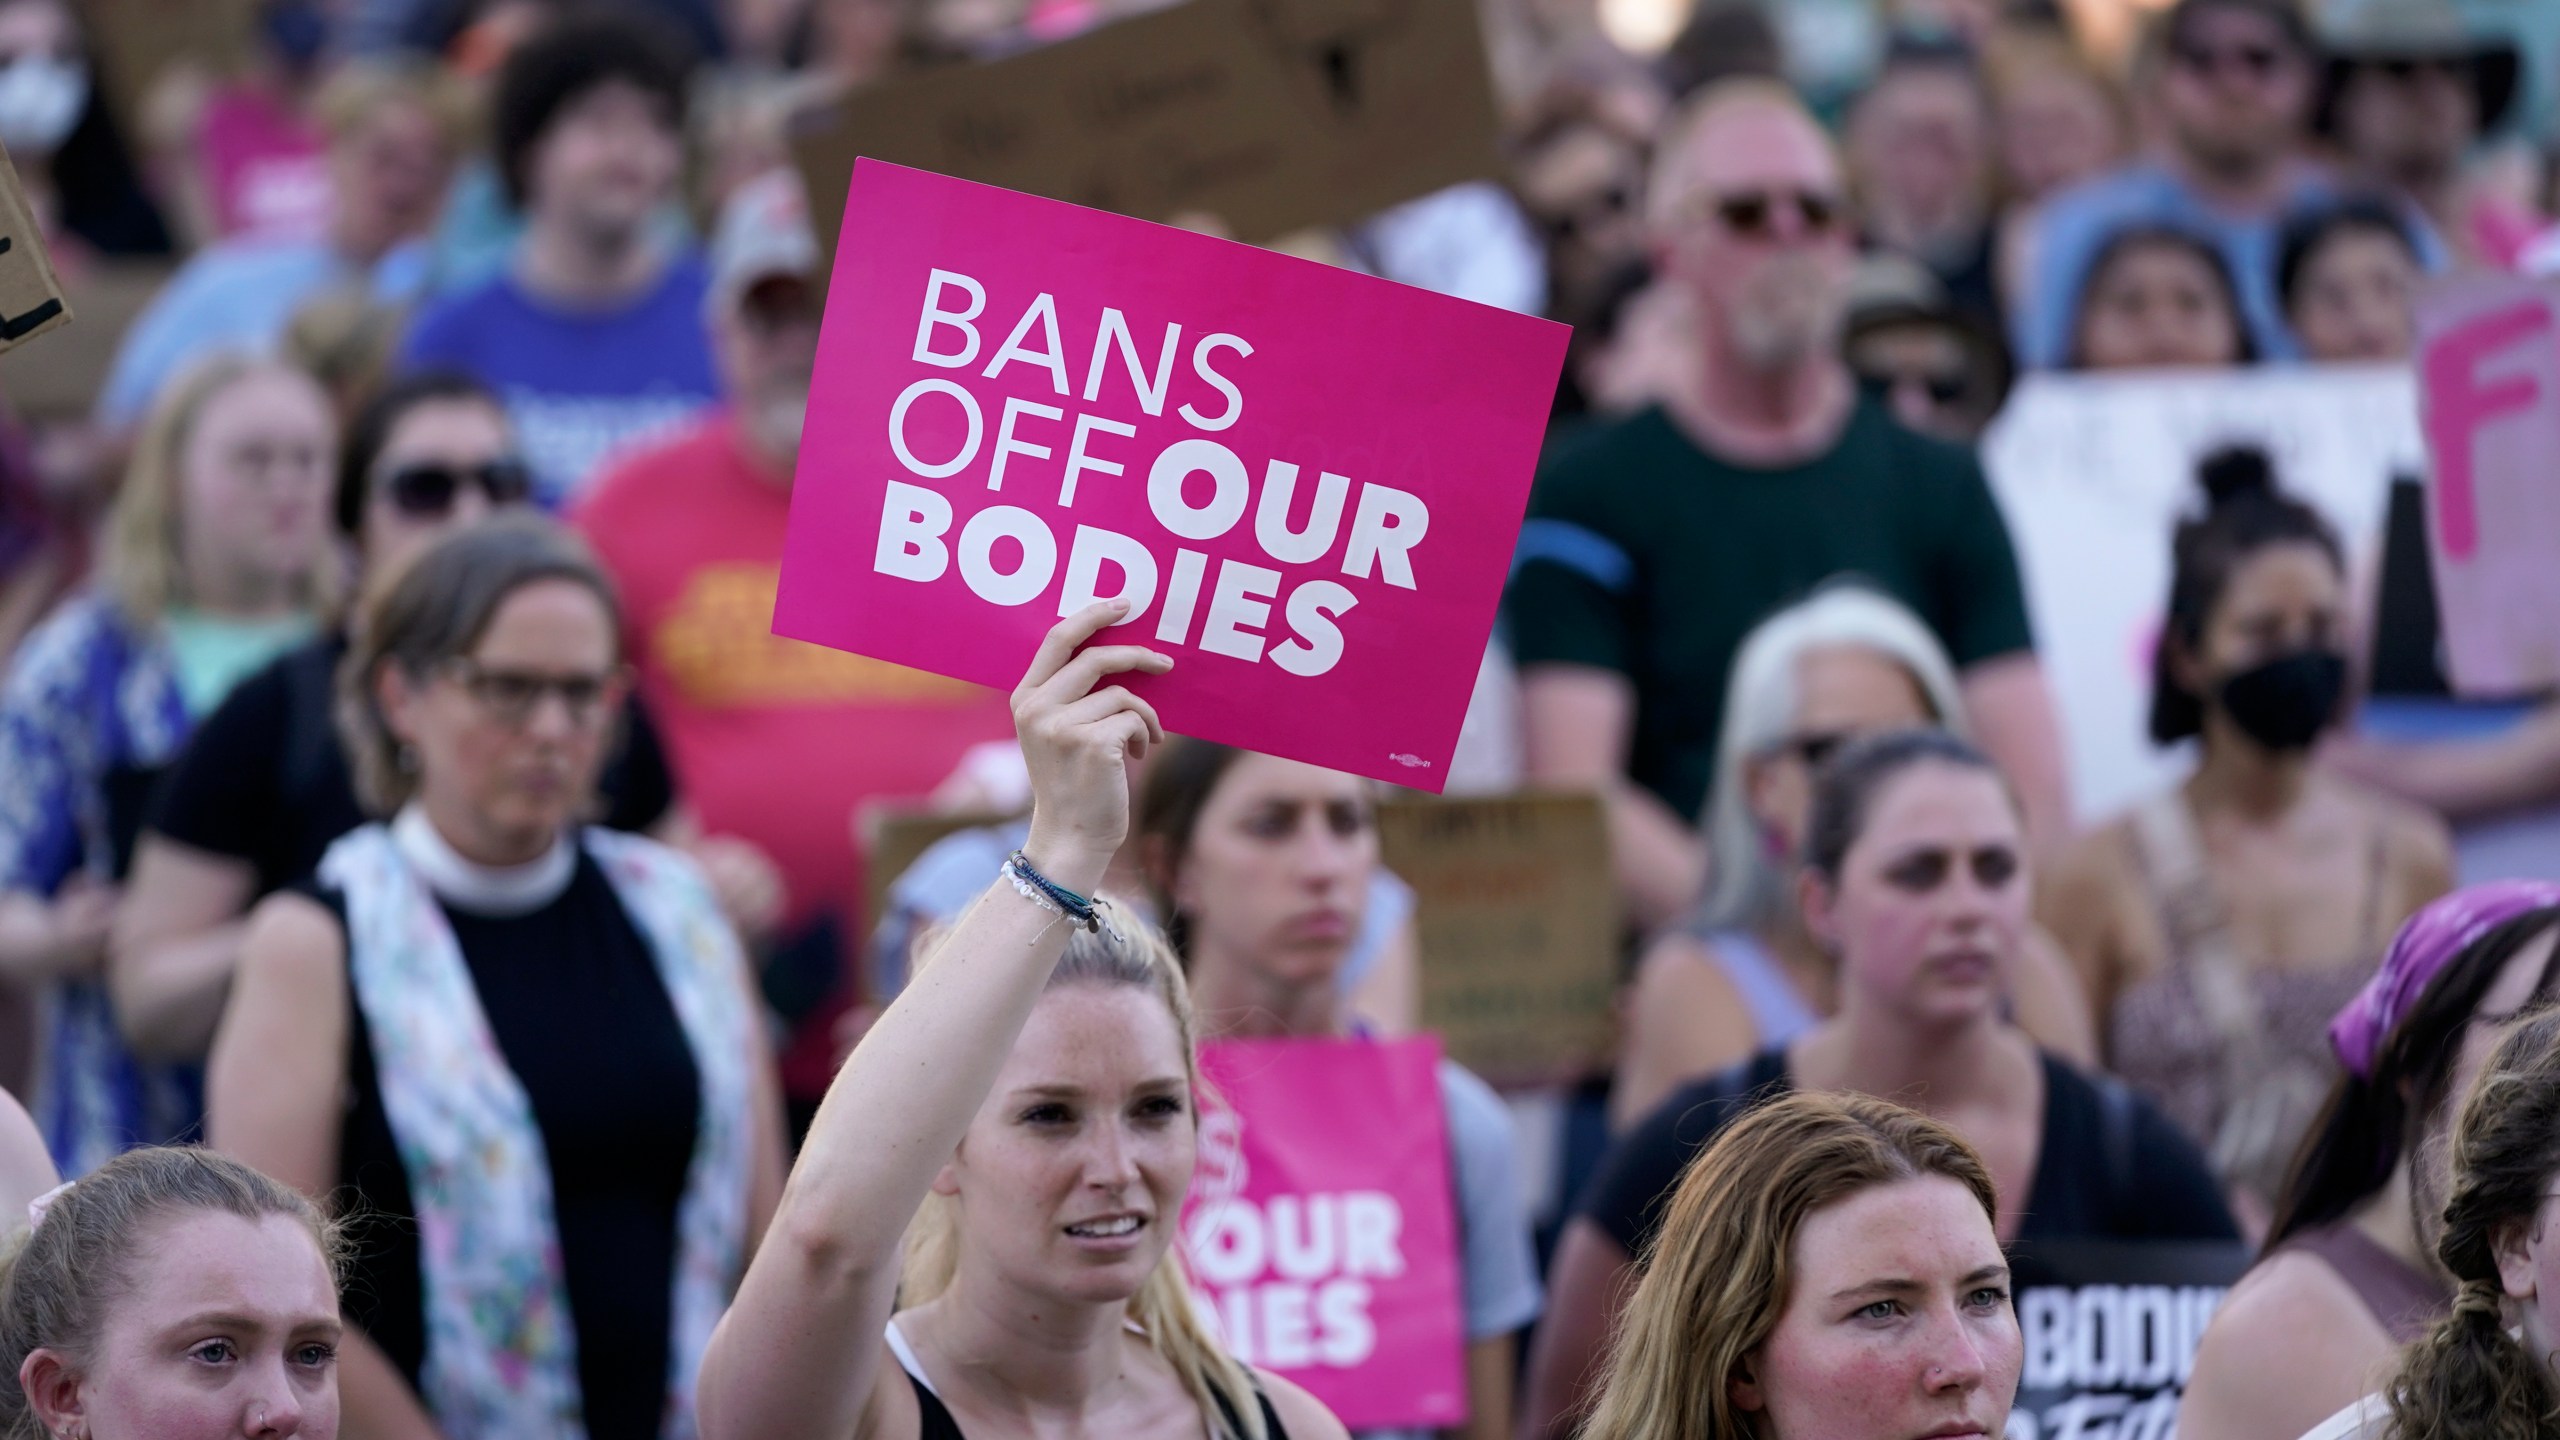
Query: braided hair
point(2468, 1378)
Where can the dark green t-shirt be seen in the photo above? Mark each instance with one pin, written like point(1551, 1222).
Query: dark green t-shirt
point(1645, 555)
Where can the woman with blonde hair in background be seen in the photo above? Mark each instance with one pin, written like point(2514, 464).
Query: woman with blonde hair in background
point(975, 1239)
point(1827, 1270)
point(1743, 973)
point(218, 557)
point(171, 1294)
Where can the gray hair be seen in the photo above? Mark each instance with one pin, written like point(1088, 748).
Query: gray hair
point(1748, 888)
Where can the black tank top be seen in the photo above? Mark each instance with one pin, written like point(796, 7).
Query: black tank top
point(934, 1420)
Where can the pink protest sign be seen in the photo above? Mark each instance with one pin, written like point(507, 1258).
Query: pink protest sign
point(1321, 1229)
point(2489, 390)
point(1307, 482)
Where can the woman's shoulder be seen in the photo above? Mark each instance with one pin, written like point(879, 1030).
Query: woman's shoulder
point(297, 936)
point(2415, 841)
point(1302, 1416)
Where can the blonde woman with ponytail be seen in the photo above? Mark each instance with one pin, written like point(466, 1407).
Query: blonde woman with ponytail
point(974, 1242)
point(2485, 1371)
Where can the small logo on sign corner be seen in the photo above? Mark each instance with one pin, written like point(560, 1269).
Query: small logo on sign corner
point(1410, 762)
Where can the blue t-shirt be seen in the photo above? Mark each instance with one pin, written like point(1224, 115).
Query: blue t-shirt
point(2075, 225)
point(579, 385)
point(238, 295)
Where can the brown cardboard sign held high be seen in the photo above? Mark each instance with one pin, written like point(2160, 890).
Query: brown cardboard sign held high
point(30, 298)
point(1269, 115)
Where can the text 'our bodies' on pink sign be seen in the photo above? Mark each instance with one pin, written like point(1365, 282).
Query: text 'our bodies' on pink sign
point(2489, 391)
point(1307, 482)
point(1321, 1227)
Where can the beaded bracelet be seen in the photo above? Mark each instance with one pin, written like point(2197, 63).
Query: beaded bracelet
point(1051, 896)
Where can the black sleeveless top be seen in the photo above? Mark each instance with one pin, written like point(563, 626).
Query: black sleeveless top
point(934, 1420)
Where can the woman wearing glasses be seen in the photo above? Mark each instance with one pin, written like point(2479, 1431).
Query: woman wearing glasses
point(264, 787)
point(1742, 973)
point(216, 558)
point(1915, 878)
point(521, 1052)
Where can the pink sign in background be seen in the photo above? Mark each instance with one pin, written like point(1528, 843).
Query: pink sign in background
point(1321, 1228)
point(2489, 392)
point(1308, 481)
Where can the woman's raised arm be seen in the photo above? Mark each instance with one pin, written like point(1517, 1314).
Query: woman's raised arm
point(800, 1352)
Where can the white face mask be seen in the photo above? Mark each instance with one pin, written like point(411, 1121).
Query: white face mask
point(40, 100)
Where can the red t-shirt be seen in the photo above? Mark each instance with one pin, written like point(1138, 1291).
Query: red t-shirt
point(777, 741)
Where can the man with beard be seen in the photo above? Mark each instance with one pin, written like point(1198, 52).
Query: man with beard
point(2232, 86)
point(1656, 542)
point(774, 741)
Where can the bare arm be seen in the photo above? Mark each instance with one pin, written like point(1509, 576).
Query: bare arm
point(176, 939)
point(2012, 712)
point(1569, 1355)
point(54, 939)
point(1389, 997)
point(1490, 1363)
point(2289, 1348)
point(2461, 779)
point(1579, 721)
point(2049, 1003)
point(273, 1099)
point(799, 1353)
point(26, 1166)
point(1683, 1019)
point(2076, 909)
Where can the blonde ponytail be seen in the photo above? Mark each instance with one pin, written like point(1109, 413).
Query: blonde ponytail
point(1164, 1309)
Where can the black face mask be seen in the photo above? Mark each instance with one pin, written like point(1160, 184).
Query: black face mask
point(2285, 703)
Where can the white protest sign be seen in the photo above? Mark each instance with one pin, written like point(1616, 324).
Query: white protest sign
point(2095, 471)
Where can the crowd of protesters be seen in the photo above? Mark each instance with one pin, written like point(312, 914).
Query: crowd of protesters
point(443, 946)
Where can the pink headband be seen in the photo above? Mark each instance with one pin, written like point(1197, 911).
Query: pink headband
point(2431, 940)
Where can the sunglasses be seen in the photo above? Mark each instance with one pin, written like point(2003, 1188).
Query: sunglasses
point(1814, 747)
point(2404, 71)
point(1941, 389)
point(2257, 62)
point(1753, 214)
point(426, 491)
point(512, 696)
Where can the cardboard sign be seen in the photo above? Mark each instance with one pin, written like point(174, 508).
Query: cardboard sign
point(31, 300)
point(1271, 115)
point(1321, 1226)
point(1518, 925)
point(61, 380)
point(138, 40)
point(2093, 473)
point(2110, 1331)
point(2489, 387)
point(1306, 482)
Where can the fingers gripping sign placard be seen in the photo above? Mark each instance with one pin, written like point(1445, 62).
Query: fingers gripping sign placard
point(1306, 483)
point(30, 298)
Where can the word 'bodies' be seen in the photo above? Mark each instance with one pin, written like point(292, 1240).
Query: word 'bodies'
point(1305, 483)
point(2110, 1332)
point(1320, 1227)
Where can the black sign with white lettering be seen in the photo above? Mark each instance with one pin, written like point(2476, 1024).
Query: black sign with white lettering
point(2111, 1330)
